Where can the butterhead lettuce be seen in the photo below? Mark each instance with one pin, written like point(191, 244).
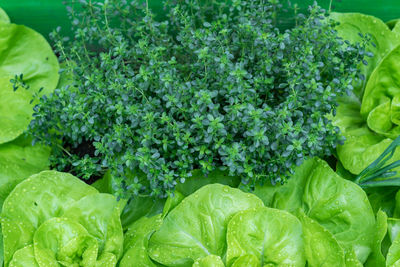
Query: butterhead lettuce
point(53, 218)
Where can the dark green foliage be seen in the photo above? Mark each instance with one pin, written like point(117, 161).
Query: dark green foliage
point(214, 86)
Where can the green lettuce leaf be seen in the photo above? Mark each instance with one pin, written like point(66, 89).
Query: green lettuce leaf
point(362, 145)
point(61, 240)
point(198, 180)
point(197, 226)
point(377, 259)
point(24, 257)
point(19, 160)
point(209, 261)
point(380, 103)
point(4, 17)
point(382, 199)
point(136, 242)
point(321, 247)
point(393, 255)
point(273, 236)
point(67, 221)
point(383, 39)
point(99, 214)
point(246, 261)
point(396, 28)
point(23, 51)
point(338, 205)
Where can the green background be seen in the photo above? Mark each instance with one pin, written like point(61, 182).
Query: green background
point(45, 15)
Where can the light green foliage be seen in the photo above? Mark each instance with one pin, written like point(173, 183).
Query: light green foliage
point(382, 38)
point(136, 241)
point(247, 261)
point(23, 51)
point(179, 241)
point(273, 236)
point(377, 258)
point(65, 220)
point(396, 28)
point(338, 205)
point(369, 118)
point(24, 257)
point(380, 103)
point(209, 261)
point(4, 17)
point(19, 160)
point(321, 247)
point(393, 256)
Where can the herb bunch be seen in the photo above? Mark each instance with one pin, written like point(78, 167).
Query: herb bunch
point(212, 86)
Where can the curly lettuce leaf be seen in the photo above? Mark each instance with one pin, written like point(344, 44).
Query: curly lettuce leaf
point(197, 226)
point(273, 236)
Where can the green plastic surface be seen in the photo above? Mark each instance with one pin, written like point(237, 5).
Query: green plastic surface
point(45, 15)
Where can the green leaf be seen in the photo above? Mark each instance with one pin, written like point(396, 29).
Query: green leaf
point(246, 261)
point(136, 242)
point(376, 259)
point(321, 247)
point(24, 257)
point(393, 256)
point(23, 51)
point(351, 24)
point(139, 207)
point(397, 207)
point(172, 202)
point(396, 28)
point(272, 235)
point(99, 214)
point(19, 160)
point(338, 205)
point(103, 184)
point(198, 180)
point(4, 17)
point(197, 226)
point(361, 148)
point(66, 242)
point(382, 199)
point(382, 85)
point(393, 228)
point(380, 120)
point(209, 261)
point(34, 201)
point(342, 172)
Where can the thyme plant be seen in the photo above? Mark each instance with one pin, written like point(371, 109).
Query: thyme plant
point(213, 86)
